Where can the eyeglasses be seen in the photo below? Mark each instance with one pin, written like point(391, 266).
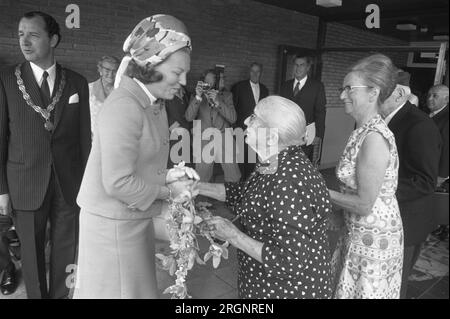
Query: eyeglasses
point(349, 88)
point(108, 70)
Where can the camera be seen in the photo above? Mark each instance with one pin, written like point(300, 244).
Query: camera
point(206, 86)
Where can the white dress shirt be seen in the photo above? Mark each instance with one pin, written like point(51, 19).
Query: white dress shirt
point(390, 116)
point(302, 83)
point(255, 90)
point(38, 72)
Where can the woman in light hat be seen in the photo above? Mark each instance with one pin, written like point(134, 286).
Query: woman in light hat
point(126, 182)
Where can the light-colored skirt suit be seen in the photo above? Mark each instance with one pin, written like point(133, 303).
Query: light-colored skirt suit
point(118, 197)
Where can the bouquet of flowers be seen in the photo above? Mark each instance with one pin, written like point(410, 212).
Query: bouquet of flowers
point(186, 221)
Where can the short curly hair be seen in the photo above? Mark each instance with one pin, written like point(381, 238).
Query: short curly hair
point(108, 58)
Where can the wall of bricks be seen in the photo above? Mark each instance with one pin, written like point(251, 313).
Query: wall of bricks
point(336, 64)
point(229, 32)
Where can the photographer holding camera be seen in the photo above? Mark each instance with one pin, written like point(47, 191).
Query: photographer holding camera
point(214, 108)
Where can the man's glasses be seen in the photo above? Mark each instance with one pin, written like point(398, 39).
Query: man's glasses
point(349, 88)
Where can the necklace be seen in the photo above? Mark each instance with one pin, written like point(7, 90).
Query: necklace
point(45, 113)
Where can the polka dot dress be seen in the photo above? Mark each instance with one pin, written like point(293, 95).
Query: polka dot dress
point(286, 207)
point(367, 263)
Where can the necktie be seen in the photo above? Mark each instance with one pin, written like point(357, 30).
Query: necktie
point(45, 90)
point(297, 88)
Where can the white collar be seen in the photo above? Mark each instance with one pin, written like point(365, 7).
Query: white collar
point(147, 92)
point(436, 112)
point(38, 72)
point(302, 81)
point(388, 118)
point(254, 84)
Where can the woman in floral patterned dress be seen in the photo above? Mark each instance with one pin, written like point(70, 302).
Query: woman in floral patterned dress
point(367, 262)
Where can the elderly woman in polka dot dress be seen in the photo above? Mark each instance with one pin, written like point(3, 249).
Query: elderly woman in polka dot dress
point(283, 210)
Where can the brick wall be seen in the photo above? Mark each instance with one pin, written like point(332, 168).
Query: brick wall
point(229, 32)
point(336, 64)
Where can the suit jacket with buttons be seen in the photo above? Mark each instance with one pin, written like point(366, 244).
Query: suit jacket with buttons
point(127, 165)
point(28, 151)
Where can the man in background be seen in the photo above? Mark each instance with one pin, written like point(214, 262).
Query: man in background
point(437, 103)
point(309, 94)
point(419, 146)
point(246, 94)
point(45, 140)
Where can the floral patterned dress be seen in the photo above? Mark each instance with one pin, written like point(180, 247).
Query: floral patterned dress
point(367, 262)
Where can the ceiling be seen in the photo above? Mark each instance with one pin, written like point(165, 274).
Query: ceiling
point(429, 14)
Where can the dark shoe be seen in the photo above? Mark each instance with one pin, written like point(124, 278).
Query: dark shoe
point(8, 284)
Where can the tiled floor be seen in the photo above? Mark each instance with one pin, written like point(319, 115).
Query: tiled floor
point(429, 280)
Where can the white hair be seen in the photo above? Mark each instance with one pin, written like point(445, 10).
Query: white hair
point(405, 88)
point(413, 99)
point(284, 115)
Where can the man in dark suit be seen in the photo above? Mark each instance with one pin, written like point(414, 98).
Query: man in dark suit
point(437, 103)
point(246, 94)
point(45, 141)
point(309, 94)
point(419, 145)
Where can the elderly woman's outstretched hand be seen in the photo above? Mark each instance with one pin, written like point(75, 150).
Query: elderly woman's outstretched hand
point(223, 229)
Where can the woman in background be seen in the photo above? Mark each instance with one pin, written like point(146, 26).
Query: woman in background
point(103, 86)
point(368, 259)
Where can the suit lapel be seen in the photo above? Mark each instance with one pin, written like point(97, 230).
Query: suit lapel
point(250, 92)
point(441, 114)
point(59, 107)
point(305, 87)
point(31, 85)
point(290, 89)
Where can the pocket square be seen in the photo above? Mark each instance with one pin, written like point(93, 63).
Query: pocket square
point(74, 98)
